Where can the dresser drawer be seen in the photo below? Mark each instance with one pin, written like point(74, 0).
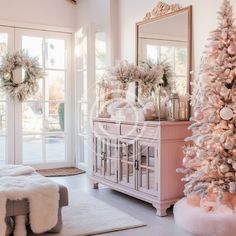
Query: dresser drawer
point(106, 128)
point(142, 131)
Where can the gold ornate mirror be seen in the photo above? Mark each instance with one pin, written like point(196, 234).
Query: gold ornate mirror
point(165, 34)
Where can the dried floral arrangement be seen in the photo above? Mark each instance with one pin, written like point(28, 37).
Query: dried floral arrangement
point(153, 75)
point(124, 72)
point(148, 75)
point(33, 72)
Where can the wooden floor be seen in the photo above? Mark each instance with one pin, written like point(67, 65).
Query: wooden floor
point(156, 226)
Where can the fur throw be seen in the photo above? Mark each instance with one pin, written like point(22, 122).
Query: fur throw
point(15, 170)
point(42, 193)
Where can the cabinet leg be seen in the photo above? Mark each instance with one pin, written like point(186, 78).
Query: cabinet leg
point(161, 208)
point(94, 184)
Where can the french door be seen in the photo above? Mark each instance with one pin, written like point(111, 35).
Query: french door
point(41, 133)
point(6, 105)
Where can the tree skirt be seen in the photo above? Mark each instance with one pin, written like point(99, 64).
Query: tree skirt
point(57, 172)
point(199, 222)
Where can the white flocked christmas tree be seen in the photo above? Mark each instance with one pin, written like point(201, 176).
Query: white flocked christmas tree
point(210, 159)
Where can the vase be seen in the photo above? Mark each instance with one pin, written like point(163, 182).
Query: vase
point(123, 90)
point(160, 101)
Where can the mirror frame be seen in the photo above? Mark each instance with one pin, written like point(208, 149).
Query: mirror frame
point(189, 45)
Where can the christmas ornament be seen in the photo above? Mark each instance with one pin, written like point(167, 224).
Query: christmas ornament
point(226, 113)
point(224, 168)
point(234, 165)
point(229, 144)
point(232, 48)
point(199, 115)
point(232, 187)
point(234, 153)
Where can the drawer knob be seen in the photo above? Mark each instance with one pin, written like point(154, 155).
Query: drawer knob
point(105, 127)
point(138, 130)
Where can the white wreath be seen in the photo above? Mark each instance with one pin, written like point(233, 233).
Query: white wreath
point(32, 72)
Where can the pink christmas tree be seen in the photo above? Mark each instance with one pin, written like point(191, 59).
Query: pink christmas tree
point(210, 161)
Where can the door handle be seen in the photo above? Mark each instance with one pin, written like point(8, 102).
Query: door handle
point(136, 165)
point(104, 156)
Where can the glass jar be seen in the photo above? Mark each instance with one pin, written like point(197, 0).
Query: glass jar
point(174, 107)
point(102, 99)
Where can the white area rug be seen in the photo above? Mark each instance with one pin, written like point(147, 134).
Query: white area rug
point(87, 215)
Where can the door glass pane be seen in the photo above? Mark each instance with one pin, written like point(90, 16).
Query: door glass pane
point(127, 151)
point(39, 93)
point(3, 121)
point(181, 61)
point(100, 75)
point(153, 53)
point(110, 160)
point(55, 54)
point(147, 179)
point(123, 171)
point(55, 148)
point(111, 168)
point(127, 174)
point(147, 156)
point(34, 47)
point(54, 116)
point(32, 149)
point(131, 174)
point(99, 163)
point(151, 180)
point(3, 44)
point(55, 85)
point(2, 150)
point(32, 117)
point(3, 51)
point(2, 95)
point(101, 52)
point(143, 179)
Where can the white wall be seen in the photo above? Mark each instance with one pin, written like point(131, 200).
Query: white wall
point(92, 11)
point(44, 12)
point(204, 21)
point(101, 14)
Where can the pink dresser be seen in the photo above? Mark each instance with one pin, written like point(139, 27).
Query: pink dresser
point(140, 159)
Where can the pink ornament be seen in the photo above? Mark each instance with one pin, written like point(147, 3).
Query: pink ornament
point(226, 113)
point(199, 115)
point(232, 49)
point(185, 161)
point(214, 48)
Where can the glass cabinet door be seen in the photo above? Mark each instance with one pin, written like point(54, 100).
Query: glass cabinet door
point(127, 163)
point(111, 159)
point(99, 156)
point(105, 158)
point(147, 155)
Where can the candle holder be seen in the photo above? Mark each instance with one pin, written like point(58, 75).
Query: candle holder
point(160, 98)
